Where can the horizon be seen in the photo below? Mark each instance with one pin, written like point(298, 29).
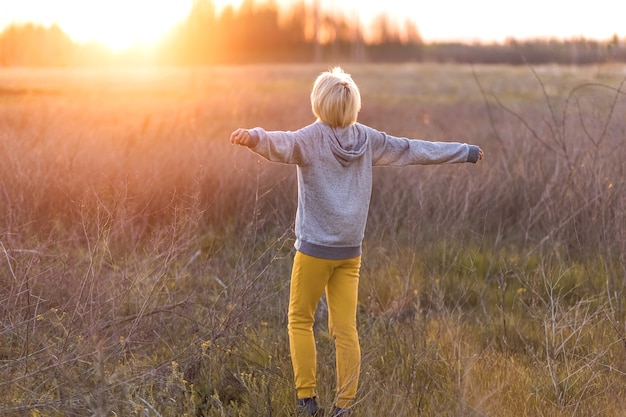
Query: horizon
point(105, 23)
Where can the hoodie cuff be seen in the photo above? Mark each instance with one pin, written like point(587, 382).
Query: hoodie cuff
point(256, 133)
point(473, 154)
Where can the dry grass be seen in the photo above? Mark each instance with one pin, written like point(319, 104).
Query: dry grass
point(144, 261)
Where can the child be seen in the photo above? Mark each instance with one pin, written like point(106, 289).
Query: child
point(334, 158)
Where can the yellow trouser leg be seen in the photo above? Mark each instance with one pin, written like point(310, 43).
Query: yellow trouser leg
point(310, 276)
point(341, 295)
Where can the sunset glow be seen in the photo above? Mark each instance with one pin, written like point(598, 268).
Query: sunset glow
point(123, 23)
point(119, 24)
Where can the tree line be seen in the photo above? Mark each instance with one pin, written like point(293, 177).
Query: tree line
point(259, 33)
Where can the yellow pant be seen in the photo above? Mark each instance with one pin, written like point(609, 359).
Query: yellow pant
point(340, 278)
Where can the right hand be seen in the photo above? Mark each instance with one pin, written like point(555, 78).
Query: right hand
point(242, 137)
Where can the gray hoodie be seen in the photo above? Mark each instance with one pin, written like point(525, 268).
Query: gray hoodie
point(334, 169)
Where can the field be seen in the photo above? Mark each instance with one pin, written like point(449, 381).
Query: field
point(144, 261)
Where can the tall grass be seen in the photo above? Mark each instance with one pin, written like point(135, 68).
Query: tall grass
point(144, 261)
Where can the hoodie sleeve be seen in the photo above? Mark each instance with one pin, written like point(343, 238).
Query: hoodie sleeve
point(394, 151)
point(277, 146)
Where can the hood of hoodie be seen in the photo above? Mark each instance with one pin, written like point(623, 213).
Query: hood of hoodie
point(348, 143)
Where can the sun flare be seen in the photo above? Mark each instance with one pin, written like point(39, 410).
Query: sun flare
point(118, 24)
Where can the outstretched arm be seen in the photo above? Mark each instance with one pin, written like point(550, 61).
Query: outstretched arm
point(397, 151)
point(276, 146)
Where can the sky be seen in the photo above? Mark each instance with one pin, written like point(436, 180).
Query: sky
point(113, 22)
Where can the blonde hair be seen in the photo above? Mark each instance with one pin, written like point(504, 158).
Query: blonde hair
point(335, 98)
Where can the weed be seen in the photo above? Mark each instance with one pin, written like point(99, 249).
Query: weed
point(144, 262)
